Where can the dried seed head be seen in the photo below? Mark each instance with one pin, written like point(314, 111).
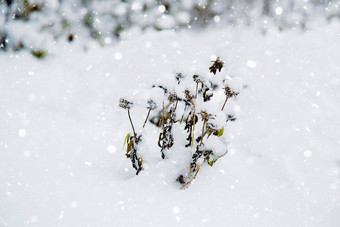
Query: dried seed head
point(205, 116)
point(188, 95)
point(173, 97)
point(125, 104)
point(179, 77)
point(197, 78)
point(151, 105)
point(230, 93)
point(218, 65)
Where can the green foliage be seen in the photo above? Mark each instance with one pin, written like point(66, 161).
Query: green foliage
point(96, 35)
point(214, 158)
point(118, 30)
point(131, 153)
point(30, 8)
point(66, 24)
point(40, 54)
point(127, 137)
point(220, 132)
point(88, 20)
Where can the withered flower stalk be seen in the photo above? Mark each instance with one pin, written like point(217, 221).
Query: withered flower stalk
point(151, 106)
point(125, 104)
point(229, 93)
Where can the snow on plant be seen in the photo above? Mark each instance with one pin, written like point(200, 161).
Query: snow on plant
point(190, 109)
point(132, 141)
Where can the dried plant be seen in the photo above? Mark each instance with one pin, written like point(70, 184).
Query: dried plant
point(132, 141)
point(166, 118)
point(150, 106)
point(218, 65)
point(165, 139)
point(229, 94)
point(131, 152)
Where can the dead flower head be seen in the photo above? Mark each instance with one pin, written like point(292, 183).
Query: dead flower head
point(125, 104)
point(218, 65)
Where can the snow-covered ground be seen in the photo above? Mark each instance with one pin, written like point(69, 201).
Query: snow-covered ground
point(62, 132)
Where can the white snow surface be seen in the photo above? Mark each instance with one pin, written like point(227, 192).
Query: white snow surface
point(62, 132)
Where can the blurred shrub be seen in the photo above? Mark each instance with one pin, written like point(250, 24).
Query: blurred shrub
point(34, 24)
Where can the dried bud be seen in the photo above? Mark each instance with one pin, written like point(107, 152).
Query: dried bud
point(125, 104)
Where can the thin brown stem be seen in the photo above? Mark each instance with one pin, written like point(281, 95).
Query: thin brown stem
point(202, 133)
point(196, 90)
point(191, 178)
point(146, 119)
point(185, 107)
point(162, 118)
point(226, 99)
point(176, 105)
point(193, 127)
point(133, 128)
